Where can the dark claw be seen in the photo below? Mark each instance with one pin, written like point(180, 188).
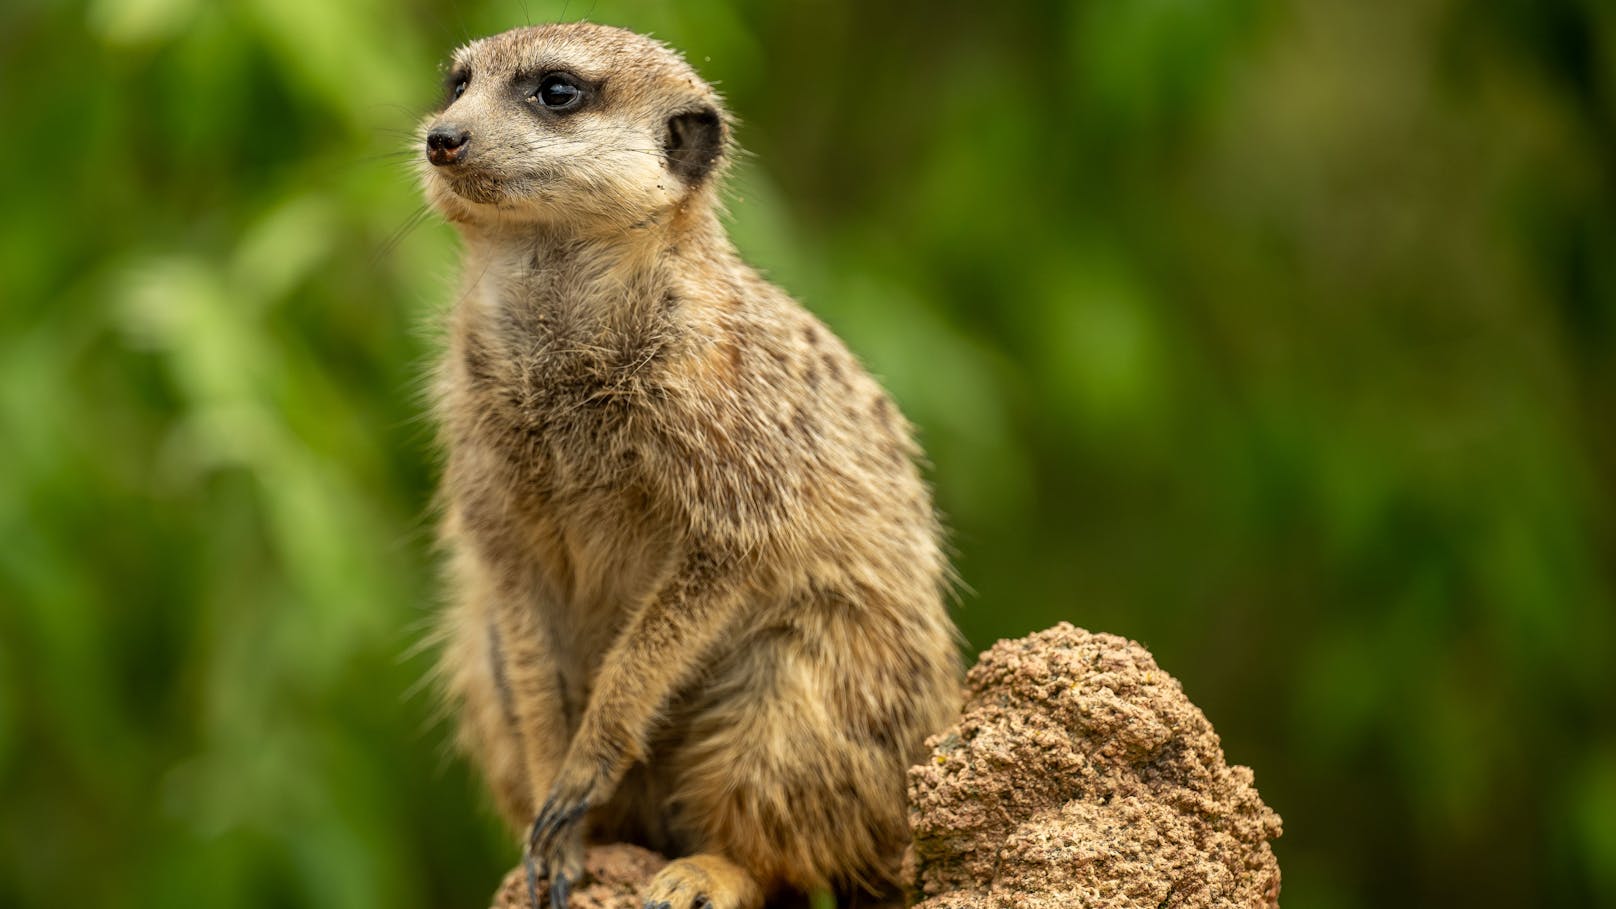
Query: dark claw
point(535, 831)
point(532, 880)
point(560, 888)
point(543, 823)
point(662, 905)
point(552, 818)
point(702, 902)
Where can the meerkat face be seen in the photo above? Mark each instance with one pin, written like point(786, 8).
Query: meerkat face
point(575, 124)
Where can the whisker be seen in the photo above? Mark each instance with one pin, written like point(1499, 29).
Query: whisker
point(415, 220)
point(402, 154)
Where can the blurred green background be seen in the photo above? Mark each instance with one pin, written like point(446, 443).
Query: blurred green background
point(1279, 336)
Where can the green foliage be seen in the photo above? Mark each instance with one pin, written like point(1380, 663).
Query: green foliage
point(1276, 335)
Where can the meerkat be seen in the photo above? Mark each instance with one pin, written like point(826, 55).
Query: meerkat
point(698, 596)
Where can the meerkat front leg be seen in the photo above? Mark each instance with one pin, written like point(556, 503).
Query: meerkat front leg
point(661, 648)
point(499, 668)
point(539, 708)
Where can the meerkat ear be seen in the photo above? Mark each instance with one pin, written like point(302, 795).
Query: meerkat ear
point(694, 143)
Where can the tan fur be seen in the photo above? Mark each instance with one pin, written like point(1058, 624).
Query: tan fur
point(698, 593)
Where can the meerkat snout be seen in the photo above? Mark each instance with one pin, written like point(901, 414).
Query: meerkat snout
point(446, 144)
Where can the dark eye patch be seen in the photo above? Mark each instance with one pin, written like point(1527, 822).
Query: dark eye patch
point(454, 85)
point(557, 91)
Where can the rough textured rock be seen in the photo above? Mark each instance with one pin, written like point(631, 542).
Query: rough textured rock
point(616, 874)
point(1080, 775)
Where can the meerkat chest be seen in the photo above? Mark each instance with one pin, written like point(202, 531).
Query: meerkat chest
point(551, 400)
point(561, 432)
point(559, 364)
point(563, 504)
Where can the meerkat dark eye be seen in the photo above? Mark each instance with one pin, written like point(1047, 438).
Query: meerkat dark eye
point(559, 91)
point(457, 83)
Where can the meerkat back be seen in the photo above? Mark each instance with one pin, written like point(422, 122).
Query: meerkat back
point(697, 592)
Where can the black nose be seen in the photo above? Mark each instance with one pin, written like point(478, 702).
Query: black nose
point(445, 144)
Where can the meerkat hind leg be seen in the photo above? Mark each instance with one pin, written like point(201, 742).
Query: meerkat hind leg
point(703, 881)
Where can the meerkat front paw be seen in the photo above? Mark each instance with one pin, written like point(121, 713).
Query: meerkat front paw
point(703, 882)
point(561, 864)
point(555, 848)
point(681, 885)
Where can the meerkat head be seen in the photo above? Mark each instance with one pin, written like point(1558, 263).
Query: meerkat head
point(571, 124)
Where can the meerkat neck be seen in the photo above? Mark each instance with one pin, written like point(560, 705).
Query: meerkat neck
point(598, 280)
